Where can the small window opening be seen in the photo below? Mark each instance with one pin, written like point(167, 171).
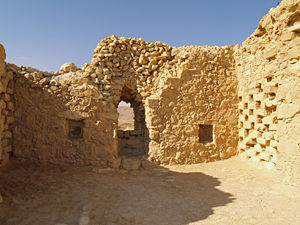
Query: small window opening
point(126, 116)
point(205, 133)
point(75, 129)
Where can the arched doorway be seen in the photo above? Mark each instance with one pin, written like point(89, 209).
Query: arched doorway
point(133, 140)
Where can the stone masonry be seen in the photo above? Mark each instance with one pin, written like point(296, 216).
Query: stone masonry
point(191, 104)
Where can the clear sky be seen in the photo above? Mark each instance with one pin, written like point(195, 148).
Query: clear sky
point(47, 33)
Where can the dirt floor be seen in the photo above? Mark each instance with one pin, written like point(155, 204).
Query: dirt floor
point(227, 192)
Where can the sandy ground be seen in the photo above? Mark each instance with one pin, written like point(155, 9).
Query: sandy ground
point(226, 192)
point(126, 118)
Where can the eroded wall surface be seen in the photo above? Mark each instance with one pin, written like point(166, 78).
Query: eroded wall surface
point(6, 109)
point(57, 119)
point(268, 72)
point(193, 117)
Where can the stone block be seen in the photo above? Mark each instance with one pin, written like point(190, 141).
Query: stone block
point(267, 120)
point(131, 163)
point(273, 127)
point(260, 112)
point(268, 135)
point(259, 96)
point(261, 141)
point(273, 143)
point(247, 125)
point(258, 148)
point(271, 150)
point(264, 156)
point(254, 134)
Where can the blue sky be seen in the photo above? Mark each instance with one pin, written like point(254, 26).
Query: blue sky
point(46, 33)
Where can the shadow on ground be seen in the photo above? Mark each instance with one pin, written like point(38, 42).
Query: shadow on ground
point(57, 195)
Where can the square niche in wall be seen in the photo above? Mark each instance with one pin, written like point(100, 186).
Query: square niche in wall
point(205, 133)
point(75, 129)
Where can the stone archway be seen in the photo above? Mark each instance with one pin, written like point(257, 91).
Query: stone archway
point(134, 143)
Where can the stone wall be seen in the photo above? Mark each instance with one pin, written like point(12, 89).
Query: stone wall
point(57, 119)
point(191, 104)
point(6, 109)
point(194, 86)
point(268, 71)
point(193, 118)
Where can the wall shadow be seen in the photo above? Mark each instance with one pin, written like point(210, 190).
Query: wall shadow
point(52, 194)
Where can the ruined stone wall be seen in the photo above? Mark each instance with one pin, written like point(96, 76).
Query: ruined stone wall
point(193, 117)
point(195, 88)
point(268, 71)
point(6, 109)
point(56, 119)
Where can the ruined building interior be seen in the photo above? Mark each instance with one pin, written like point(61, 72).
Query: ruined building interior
point(192, 104)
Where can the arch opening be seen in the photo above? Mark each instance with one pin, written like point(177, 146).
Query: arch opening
point(133, 135)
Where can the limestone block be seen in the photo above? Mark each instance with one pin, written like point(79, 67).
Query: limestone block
point(242, 132)
point(247, 125)
point(250, 141)
point(261, 141)
point(273, 143)
point(294, 53)
point(68, 67)
point(258, 148)
point(252, 119)
point(268, 120)
point(241, 105)
point(268, 135)
point(261, 112)
point(254, 134)
point(249, 153)
point(258, 96)
point(264, 156)
point(271, 150)
point(252, 105)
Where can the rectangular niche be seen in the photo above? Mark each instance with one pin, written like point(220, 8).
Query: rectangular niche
point(205, 133)
point(75, 129)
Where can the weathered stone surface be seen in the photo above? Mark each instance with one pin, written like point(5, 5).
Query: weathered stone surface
point(191, 104)
point(68, 67)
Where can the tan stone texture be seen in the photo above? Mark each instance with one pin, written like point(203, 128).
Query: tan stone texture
point(191, 104)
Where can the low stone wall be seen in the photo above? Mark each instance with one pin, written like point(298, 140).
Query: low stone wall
point(6, 109)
